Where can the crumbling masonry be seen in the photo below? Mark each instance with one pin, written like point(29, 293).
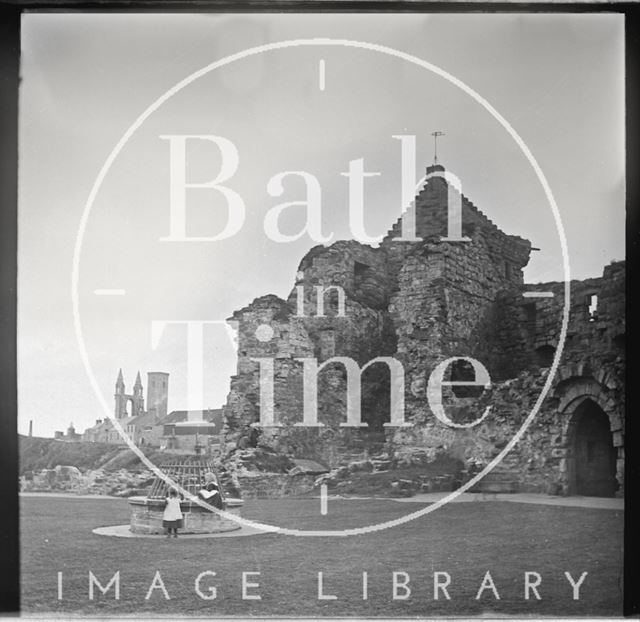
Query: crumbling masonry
point(427, 301)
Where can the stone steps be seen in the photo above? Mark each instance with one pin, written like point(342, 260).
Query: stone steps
point(500, 480)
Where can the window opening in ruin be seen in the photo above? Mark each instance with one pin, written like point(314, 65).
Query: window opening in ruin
point(530, 317)
point(507, 270)
point(360, 271)
point(592, 299)
point(544, 355)
point(359, 268)
point(462, 371)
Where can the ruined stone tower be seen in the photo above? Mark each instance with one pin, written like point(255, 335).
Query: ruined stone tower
point(423, 302)
point(120, 397)
point(138, 398)
point(157, 392)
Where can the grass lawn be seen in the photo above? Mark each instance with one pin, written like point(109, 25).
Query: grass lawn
point(463, 539)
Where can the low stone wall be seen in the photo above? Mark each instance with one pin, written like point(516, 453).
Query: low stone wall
point(146, 517)
point(274, 485)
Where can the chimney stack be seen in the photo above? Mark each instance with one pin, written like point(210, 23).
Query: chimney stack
point(30, 427)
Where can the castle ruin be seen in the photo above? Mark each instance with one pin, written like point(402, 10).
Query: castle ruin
point(423, 302)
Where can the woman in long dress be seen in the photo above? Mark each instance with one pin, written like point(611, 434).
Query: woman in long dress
point(210, 491)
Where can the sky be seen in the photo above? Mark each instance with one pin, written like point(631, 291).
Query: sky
point(299, 114)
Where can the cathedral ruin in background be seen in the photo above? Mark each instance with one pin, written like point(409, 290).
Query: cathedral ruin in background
point(157, 394)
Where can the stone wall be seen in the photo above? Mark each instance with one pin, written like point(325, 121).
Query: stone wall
point(147, 517)
point(530, 327)
point(274, 485)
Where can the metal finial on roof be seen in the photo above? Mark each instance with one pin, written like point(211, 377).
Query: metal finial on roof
point(435, 145)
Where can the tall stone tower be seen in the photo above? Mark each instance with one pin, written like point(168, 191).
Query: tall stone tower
point(157, 392)
point(120, 397)
point(138, 398)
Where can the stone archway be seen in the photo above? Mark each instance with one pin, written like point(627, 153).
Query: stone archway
point(598, 437)
point(591, 462)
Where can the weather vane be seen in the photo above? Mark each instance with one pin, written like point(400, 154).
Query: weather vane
point(435, 145)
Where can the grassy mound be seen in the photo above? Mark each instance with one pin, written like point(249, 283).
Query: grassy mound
point(45, 453)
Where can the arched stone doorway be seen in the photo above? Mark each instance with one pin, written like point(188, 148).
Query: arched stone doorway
point(592, 457)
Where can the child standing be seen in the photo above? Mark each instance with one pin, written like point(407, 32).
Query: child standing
point(172, 517)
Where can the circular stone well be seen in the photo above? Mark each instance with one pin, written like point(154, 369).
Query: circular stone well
point(189, 474)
